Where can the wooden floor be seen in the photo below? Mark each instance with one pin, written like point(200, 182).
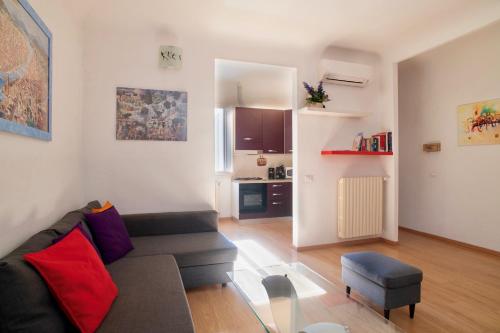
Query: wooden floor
point(460, 291)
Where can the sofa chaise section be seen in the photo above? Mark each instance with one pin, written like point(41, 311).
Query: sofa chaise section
point(203, 255)
point(151, 297)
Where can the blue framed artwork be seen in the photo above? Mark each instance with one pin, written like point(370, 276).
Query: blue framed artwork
point(25, 71)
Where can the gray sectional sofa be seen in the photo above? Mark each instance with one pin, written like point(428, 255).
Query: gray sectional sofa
point(173, 251)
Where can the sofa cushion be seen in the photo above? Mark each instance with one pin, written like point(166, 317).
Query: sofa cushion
point(151, 298)
point(382, 270)
point(68, 222)
point(86, 234)
point(77, 278)
point(26, 303)
point(194, 249)
point(110, 234)
point(107, 205)
point(171, 223)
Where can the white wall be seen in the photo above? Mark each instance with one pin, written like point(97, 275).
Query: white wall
point(40, 180)
point(453, 193)
point(252, 85)
point(146, 176)
point(158, 176)
point(143, 176)
point(318, 199)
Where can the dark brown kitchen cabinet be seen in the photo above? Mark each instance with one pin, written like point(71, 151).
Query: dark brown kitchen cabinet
point(263, 129)
point(279, 199)
point(288, 131)
point(248, 129)
point(272, 132)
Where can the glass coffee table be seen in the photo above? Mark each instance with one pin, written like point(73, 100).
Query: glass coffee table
point(292, 298)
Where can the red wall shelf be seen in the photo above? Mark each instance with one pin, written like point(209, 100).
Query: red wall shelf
point(351, 152)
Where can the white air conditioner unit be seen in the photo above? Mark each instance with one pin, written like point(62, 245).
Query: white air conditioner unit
point(345, 73)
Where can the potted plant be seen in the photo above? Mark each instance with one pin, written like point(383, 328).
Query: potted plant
point(317, 97)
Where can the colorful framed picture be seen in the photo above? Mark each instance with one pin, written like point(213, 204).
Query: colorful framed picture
point(479, 123)
point(25, 71)
point(147, 114)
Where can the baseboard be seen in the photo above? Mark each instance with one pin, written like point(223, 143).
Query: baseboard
point(346, 243)
point(452, 241)
point(263, 220)
point(390, 242)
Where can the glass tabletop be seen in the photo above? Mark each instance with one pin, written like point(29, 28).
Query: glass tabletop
point(292, 298)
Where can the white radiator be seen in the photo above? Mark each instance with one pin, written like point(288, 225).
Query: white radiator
point(360, 206)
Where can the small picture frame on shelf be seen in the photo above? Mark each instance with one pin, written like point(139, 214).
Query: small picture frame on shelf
point(358, 139)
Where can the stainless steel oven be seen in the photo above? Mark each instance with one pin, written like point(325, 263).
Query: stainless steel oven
point(253, 198)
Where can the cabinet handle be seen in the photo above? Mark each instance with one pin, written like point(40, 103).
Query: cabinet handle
point(276, 185)
point(276, 203)
point(247, 139)
point(276, 194)
point(290, 150)
point(271, 151)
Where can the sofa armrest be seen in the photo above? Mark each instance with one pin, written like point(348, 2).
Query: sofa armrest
point(152, 224)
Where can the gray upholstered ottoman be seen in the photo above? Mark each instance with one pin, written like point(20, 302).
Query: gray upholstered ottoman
point(385, 281)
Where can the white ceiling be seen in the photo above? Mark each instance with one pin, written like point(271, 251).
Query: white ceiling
point(230, 70)
point(260, 85)
point(373, 25)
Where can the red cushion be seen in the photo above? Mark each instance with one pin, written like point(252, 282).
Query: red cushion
point(78, 280)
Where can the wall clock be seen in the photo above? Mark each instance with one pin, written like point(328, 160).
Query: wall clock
point(170, 57)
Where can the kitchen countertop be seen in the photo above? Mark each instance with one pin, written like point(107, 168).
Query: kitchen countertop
point(286, 180)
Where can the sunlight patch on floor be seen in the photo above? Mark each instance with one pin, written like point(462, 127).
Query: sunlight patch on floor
point(251, 252)
point(255, 262)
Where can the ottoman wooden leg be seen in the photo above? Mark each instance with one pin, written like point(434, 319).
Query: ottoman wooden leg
point(412, 311)
point(348, 290)
point(386, 314)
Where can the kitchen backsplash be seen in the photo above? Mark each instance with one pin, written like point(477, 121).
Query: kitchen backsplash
point(246, 165)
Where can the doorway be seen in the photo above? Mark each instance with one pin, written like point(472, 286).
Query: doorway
point(253, 127)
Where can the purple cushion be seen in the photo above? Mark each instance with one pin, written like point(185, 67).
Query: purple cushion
point(110, 234)
point(84, 233)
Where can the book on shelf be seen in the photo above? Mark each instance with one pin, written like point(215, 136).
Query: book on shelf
point(363, 144)
point(389, 141)
point(374, 144)
point(358, 142)
point(369, 144)
point(379, 142)
point(382, 141)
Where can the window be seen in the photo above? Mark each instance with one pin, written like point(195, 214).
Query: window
point(223, 140)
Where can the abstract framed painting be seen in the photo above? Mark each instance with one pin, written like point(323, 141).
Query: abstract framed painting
point(479, 123)
point(147, 114)
point(25, 71)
